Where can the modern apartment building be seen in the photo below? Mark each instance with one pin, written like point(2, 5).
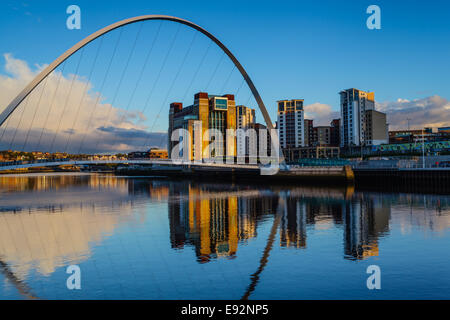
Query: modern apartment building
point(376, 128)
point(335, 135)
point(309, 132)
point(322, 136)
point(257, 127)
point(290, 123)
point(214, 112)
point(245, 117)
point(356, 109)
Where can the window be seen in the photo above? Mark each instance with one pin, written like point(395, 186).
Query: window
point(221, 104)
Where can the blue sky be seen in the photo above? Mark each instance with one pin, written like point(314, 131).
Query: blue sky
point(291, 49)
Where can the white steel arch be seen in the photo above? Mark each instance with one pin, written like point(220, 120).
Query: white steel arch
point(44, 73)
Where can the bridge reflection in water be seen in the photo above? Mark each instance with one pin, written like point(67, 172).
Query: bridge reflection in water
point(50, 221)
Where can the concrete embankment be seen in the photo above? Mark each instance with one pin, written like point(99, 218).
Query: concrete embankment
point(406, 179)
point(338, 174)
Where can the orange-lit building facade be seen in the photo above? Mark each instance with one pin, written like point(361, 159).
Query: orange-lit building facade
point(155, 153)
point(213, 224)
point(214, 112)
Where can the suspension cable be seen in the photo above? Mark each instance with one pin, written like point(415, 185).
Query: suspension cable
point(248, 100)
point(146, 60)
point(4, 129)
point(172, 84)
point(67, 99)
point(84, 94)
point(215, 71)
point(35, 112)
point(228, 79)
point(51, 105)
point(240, 87)
point(120, 84)
point(160, 70)
point(20, 121)
point(194, 77)
point(136, 85)
point(101, 89)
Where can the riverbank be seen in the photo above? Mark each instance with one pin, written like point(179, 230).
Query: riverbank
point(429, 180)
point(316, 175)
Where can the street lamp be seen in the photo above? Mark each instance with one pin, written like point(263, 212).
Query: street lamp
point(423, 150)
point(409, 132)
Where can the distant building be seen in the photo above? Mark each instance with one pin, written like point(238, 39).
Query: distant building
point(322, 136)
point(156, 153)
point(316, 152)
point(444, 129)
point(245, 117)
point(309, 132)
point(376, 128)
point(318, 142)
point(59, 155)
point(214, 112)
point(138, 155)
point(403, 136)
point(335, 134)
point(408, 136)
point(418, 135)
point(152, 153)
point(290, 123)
point(38, 155)
point(359, 124)
point(257, 127)
point(354, 104)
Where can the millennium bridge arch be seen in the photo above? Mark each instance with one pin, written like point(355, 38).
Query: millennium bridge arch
point(44, 73)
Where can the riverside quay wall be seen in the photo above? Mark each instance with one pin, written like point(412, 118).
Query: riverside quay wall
point(435, 180)
point(339, 174)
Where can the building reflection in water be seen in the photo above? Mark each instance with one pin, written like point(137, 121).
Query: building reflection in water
point(48, 220)
point(364, 222)
point(213, 219)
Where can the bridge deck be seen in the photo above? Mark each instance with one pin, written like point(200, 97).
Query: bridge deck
point(169, 163)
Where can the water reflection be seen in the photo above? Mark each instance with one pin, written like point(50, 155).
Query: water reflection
point(214, 218)
point(50, 221)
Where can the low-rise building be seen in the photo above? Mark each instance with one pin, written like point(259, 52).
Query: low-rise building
point(135, 155)
point(156, 153)
point(335, 135)
point(316, 152)
point(322, 136)
point(309, 132)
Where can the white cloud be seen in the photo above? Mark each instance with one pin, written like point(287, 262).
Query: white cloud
point(322, 114)
point(431, 111)
point(86, 114)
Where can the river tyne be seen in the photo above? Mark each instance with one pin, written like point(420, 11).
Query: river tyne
point(143, 238)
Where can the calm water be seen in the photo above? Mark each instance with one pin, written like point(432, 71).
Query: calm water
point(138, 238)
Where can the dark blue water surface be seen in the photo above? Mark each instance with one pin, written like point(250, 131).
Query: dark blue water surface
point(138, 238)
